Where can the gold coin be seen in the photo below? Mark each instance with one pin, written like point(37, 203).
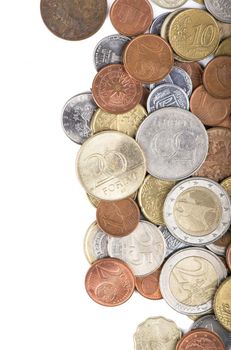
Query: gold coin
point(225, 30)
point(95, 201)
point(222, 304)
point(194, 34)
point(151, 198)
point(226, 184)
point(224, 48)
point(127, 123)
point(199, 1)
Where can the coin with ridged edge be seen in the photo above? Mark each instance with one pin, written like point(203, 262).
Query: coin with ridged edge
point(222, 304)
point(172, 243)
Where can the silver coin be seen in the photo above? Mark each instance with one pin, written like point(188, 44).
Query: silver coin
point(189, 280)
point(220, 9)
point(172, 243)
point(110, 50)
point(169, 4)
point(179, 77)
point(175, 143)
point(167, 95)
point(143, 250)
point(95, 243)
point(210, 322)
point(157, 23)
point(76, 117)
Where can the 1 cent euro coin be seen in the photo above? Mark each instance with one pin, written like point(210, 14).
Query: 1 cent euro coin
point(222, 304)
point(149, 286)
point(201, 338)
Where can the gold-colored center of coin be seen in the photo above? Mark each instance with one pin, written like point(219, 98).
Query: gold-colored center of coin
point(193, 281)
point(197, 211)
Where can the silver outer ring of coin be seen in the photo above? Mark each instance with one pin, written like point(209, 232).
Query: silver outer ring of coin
point(224, 201)
point(121, 41)
point(69, 121)
point(157, 23)
point(116, 245)
point(216, 249)
point(146, 134)
point(172, 243)
point(167, 270)
point(172, 5)
point(95, 243)
point(220, 15)
point(166, 91)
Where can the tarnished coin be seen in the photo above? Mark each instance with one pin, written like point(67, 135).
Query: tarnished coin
point(109, 282)
point(197, 211)
point(148, 58)
point(172, 243)
point(73, 20)
point(228, 257)
point(174, 142)
point(167, 95)
point(76, 117)
point(222, 304)
point(118, 218)
point(111, 166)
point(169, 4)
point(220, 9)
point(143, 250)
point(224, 48)
point(189, 279)
point(225, 30)
point(131, 17)
point(157, 23)
point(210, 322)
point(198, 36)
point(95, 201)
point(148, 286)
point(110, 50)
point(157, 333)
point(200, 339)
point(127, 122)
point(217, 165)
point(151, 197)
point(115, 91)
point(194, 70)
point(95, 243)
point(219, 247)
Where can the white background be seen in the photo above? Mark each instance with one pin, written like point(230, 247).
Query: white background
point(44, 210)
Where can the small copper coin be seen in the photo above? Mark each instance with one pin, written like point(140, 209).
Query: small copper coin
point(131, 17)
point(148, 58)
point(194, 70)
point(148, 286)
point(115, 91)
point(118, 218)
point(217, 77)
point(200, 339)
point(73, 20)
point(109, 282)
point(228, 256)
point(210, 110)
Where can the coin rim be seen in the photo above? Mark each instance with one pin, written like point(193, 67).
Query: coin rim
point(215, 302)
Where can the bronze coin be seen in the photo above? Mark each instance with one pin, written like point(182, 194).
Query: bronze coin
point(217, 165)
point(148, 58)
point(148, 286)
point(109, 282)
point(73, 20)
point(194, 70)
point(228, 256)
point(115, 91)
point(217, 77)
point(200, 339)
point(210, 110)
point(131, 17)
point(118, 218)
point(226, 123)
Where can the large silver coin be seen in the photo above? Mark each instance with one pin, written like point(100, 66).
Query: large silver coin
point(220, 9)
point(189, 280)
point(110, 165)
point(175, 143)
point(76, 117)
point(110, 50)
point(95, 243)
point(157, 23)
point(167, 95)
point(197, 211)
point(143, 250)
point(172, 243)
point(210, 322)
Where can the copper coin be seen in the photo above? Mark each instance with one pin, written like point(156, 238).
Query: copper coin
point(115, 91)
point(200, 339)
point(228, 256)
point(148, 286)
point(118, 218)
point(211, 110)
point(73, 20)
point(194, 70)
point(131, 17)
point(148, 58)
point(217, 77)
point(109, 282)
point(217, 165)
point(226, 123)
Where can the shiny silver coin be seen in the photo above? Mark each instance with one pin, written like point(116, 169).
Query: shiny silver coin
point(175, 143)
point(157, 23)
point(220, 9)
point(76, 117)
point(95, 243)
point(189, 280)
point(179, 77)
point(197, 211)
point(210, 322)
point(167, 95)
point(143, 250)
point(172, 243)
point(110, 50)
